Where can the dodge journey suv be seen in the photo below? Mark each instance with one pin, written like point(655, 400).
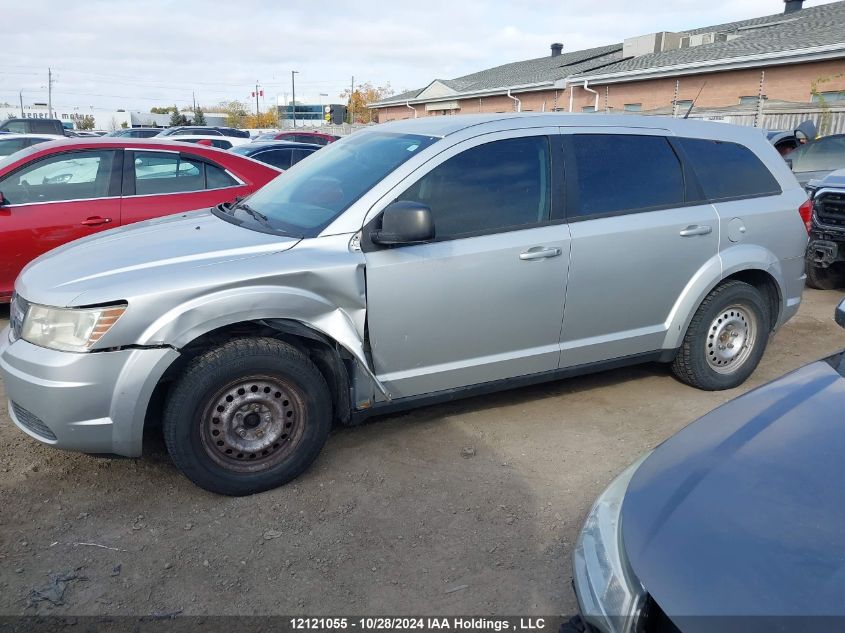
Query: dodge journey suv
point(412, 262)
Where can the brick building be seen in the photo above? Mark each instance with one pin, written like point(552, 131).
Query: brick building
point(795, 56)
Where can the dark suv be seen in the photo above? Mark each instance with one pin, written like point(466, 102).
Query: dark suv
point(826, 249)
point(33, 126)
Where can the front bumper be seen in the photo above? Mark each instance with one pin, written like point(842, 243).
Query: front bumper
point(610, 597)
point(93, 402)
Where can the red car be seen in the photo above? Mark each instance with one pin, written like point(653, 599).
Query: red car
point(315, 138)
point(55, 192)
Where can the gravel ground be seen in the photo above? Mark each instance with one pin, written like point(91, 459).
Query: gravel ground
point(469, 507)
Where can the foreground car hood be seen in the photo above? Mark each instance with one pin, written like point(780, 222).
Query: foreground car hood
point(743, 511)
point(152, 253)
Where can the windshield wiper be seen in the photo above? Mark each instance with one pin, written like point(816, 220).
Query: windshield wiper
point(263, 219)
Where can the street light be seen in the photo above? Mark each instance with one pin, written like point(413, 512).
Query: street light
point(293, 93)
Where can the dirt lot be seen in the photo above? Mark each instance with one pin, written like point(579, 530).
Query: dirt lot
point(471, 507)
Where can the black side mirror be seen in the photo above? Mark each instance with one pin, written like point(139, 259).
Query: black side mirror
point(404, 222)
point(840, 314)
point(788, 162)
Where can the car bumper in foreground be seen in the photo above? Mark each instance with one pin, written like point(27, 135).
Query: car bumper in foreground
point(93, 402)
point(610, 597)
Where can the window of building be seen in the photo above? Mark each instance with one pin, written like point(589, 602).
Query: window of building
point(633, 107)
point(749, 100)
point(829, 96)
point(684, 104)
point(496, 186)
point(588, 108)
point(728, 170)
point(621, 172)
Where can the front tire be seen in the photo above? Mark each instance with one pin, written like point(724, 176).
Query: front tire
point(725, 339)
point(247, 416)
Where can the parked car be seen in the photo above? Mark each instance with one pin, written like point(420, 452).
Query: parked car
point(315, 138)
point(33, 126)
point(826, 249)
point(733, 524)
point(207, 130)
point(409, 263)
point(279, 154)
point(220, 142)
point(59, 191)
point(81, 134)
point(11, 143)
point(135, 132)
point(817, 158)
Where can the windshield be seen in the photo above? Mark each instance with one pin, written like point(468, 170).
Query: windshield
point(314, 192)
point(825, 154)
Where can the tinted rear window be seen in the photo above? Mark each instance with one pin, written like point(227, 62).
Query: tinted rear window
point(728, 170)
point(618, 172)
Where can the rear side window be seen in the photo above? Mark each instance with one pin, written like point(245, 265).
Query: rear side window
point(619, 173)
point(280, 158)
point(728, 170)
point(157, 173)
point(217, 178)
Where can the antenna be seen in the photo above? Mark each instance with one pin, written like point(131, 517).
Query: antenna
point(692, 105)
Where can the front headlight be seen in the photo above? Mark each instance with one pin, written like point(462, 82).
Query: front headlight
point(609, 595)
point(68, 329)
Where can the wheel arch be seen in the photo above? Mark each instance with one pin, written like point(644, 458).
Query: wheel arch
point(749, 263)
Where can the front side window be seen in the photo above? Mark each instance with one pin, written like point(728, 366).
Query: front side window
point(728, 170)
point(825, 154)
point(159, 172)
point(496, 186)
point(318, 190)
point(18, 127)
point(68, 176)
point(625, 172)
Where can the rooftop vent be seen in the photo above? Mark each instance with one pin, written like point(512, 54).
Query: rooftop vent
point(651, 43)
point(792, 5)
point(557, 49)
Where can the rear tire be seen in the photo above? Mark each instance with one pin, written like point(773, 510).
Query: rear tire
point(725, 339)
point(829, 278)
point(248, 416)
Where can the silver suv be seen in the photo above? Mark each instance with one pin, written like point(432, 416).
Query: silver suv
point(412, 262)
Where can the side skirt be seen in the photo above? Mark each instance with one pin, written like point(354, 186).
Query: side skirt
point(449, 395)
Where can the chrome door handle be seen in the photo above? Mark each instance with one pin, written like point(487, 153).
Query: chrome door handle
point(539, 253)
point(697, 229)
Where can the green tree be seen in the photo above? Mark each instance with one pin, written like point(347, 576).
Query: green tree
point(177, 118)
point(165, 110)
point(199, 116)
point(85, 123)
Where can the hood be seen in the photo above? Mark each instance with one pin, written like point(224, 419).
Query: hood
point(833, 179)
point(743, 511)
point(804, 177)
point(140, 256)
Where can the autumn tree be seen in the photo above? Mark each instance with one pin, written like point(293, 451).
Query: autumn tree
point(85, 123)
point(235, 112)
point(364, 94)
point(269, 119)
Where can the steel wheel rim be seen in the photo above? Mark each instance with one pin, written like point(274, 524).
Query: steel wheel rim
point(730, 339)
point(252, 423)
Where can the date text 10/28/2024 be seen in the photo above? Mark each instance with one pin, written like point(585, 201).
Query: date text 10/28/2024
point(455, 623)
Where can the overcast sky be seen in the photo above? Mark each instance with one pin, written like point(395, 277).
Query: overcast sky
point(136, 55)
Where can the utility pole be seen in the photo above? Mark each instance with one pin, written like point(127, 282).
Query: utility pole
point(293, 93)
point(351, 102)
point(256, 103)
point(194, 97)
point(50, 92)
point(20, 94)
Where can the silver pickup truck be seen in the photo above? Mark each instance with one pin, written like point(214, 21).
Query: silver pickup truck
point(409, 263)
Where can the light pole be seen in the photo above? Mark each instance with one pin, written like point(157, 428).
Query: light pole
point(293, 74)
point(20, 94)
